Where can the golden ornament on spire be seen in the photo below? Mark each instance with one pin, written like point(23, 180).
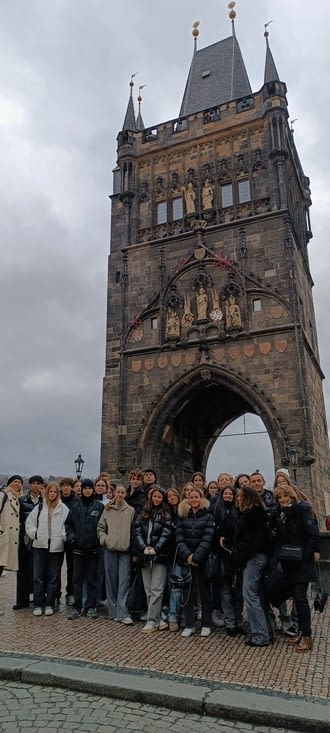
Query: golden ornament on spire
point(232, 12)
point(195, 31)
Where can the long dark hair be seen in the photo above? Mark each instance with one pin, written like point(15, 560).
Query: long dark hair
point(250, 499)
point(150, 511)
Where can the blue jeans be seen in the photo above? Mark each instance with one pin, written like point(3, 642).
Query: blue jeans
point(46, 572)
point(252, 575)
point(117, 566)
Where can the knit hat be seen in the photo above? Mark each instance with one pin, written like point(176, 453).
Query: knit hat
point(15, 477)
point(150, 470)
point(87, 483)
point(283, 471)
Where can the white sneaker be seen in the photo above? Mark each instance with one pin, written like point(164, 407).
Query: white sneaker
point(205, 631)
point(37, 611)
point(127, 621)
point(162, 625)
point(187, 632)
point(148, 629)
point(217, 619)
point(48, 611)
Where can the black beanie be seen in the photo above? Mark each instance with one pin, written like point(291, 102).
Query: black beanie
point(12, 478)
point(150, 470)
point(87, 483)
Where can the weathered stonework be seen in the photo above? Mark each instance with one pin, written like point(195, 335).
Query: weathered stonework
point(211, 314)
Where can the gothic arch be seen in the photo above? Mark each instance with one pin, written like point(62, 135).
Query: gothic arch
point(190, 414)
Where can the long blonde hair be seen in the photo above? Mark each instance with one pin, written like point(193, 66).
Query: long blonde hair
point(294, 493)
point(52, 504)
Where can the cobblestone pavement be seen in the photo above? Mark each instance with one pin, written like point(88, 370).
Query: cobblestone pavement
point(218, 658)
point(33, 709)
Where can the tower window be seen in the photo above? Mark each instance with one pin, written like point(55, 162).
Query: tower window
point(244, 191)
point(177, 208)
point(162, 212)
point(227, 195)
point(154, 324)
point(257, 305)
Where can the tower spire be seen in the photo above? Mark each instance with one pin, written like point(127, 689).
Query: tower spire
point(232, 16)
point(129, 121)
point(139, 120)
point(195, 34)
point(270, 68)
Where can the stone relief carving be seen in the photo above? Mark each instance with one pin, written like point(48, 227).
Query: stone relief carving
point(172, 329)
point(207, 195)
point(233, 314)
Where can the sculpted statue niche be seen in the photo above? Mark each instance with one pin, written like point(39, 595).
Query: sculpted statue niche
point(201, 303)
point(189, 197)
point(233, 314)
point(172, 329)
point(207, 195)
point(187, 318)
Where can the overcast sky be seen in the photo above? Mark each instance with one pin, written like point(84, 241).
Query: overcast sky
point(65, 72)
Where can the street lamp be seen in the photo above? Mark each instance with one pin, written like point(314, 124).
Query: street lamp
point(79, 464)
point(293, 460)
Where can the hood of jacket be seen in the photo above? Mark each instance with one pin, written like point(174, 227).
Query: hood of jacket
point(184, 507)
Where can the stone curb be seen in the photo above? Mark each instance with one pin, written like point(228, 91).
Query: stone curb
point(241, 704)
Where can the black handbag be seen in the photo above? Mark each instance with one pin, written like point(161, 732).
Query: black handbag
point(136, 597)
point(291, 552)
point(277, 587)
point(321, 597)
point(180, 576)
point(212, 566)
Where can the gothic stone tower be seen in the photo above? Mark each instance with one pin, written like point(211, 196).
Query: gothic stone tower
point(210, 309)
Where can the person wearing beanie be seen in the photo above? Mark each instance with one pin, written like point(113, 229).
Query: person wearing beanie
point(9, 523)
point(149, 478)
point(81, 529)
point(24, 579)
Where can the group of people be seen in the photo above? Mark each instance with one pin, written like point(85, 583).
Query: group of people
point(169, 558)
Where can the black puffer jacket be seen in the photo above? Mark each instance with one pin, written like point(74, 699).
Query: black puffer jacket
point(297, 526)
point(194, 532)
point(26, 504)
point(226, 517)
point(157, 535)
point(252, 537)
point(81, 525)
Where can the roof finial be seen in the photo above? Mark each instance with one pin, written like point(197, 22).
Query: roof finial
point(232, 14)
point(266, 34)
point(132, 82)
point(195, 33)
point(292, 124)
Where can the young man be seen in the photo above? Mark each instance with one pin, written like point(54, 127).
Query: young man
point(69, 498)
point(81, 529)
point(24, 578)
point(135, 492)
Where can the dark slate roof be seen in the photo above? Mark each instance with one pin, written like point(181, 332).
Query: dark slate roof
point(129, 121)
point(270, 68)
point(227, 78)
point(139, 121)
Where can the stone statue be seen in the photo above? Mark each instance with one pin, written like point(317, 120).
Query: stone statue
point(172, 329)
point(189, 196)
point(187, 318)
point(207, 195)
point(201, 302)
point(233, 314)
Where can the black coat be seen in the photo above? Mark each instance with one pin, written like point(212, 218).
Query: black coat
point(161, 528)
point(194, 533)
point(252, 537)
point(26, 504)
point(297, 526)
point(136, 498)
point(226, 517)
point(81, 525)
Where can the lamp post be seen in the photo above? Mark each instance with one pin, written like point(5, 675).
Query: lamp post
point(293, 460)
point(79, 465)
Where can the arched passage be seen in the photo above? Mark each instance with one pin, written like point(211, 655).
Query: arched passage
point(190, 415)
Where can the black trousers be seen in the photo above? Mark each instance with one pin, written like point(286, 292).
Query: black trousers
point(85, 574)
point(299, 593)
point(198, 584)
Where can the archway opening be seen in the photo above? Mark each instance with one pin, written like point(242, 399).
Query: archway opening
point(242, 447)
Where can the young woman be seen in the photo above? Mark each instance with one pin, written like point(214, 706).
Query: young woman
point(212, 489)
point(45, 526)
point(185, 492)
point(241, 480)
point(9, 523)
point(194, 536)
point(250, 553)
point(114, 533)
point(175, 596)
point(297, 525)
point(226, 517)
point(198, 480)
point(152, 534)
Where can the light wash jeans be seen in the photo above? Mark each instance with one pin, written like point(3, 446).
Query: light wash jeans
point(154, 581)
point(252, 574)
point(117, 568)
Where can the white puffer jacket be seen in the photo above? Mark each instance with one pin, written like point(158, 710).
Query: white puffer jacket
point(37, 527)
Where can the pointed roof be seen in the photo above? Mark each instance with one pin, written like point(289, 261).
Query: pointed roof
point(129, 121)
point(139, 121)
point(270, 68)
point(217, 75)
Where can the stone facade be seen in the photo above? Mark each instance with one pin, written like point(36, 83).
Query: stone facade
point(210, 310)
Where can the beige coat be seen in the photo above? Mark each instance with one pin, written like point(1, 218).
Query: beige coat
point(114, 527)
point(9, 530)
